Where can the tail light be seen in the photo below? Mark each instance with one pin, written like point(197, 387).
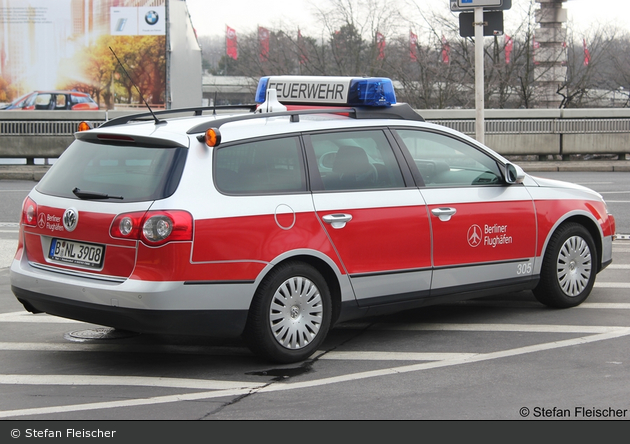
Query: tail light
point(153, 227)
point(29, 212)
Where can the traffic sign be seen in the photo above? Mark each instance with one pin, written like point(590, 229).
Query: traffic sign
point(503, 5)
point(493, 23)
point(478, 3)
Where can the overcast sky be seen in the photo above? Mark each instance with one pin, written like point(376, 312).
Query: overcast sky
point(211, 17)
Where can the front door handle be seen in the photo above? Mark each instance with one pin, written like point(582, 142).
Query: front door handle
point(337, 220)
point(444, 213)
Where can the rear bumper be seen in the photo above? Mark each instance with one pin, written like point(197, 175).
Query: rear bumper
point(162, 307)
point(215, 323)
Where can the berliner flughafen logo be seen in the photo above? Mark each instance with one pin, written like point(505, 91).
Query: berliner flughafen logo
point(151, 17)
point(474, 236)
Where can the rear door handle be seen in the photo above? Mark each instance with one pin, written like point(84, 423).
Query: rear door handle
point(444, 213)
point(337, 220)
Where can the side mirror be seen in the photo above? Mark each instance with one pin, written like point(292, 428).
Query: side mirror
point(514, 174)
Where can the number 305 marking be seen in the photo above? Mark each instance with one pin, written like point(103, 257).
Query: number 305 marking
point(524, 268)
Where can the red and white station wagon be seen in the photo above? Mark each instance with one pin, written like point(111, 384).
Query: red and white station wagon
point(328, 202)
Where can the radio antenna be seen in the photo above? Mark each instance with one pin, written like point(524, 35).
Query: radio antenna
point(157, 121)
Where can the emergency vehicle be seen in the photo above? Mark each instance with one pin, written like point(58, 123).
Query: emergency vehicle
point(326, 202)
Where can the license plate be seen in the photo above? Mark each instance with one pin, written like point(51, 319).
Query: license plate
point(77, 253)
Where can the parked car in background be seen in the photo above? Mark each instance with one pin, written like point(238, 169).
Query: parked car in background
point(54, 100)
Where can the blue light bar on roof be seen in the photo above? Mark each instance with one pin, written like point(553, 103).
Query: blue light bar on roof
point(313, 90)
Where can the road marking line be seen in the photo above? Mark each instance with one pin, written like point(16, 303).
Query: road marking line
point(124, 348)
point(25, 316)
point(392, 356)
point(146, 381)
point(279, 386)
point(517, 328)
point(618, 267)
point(611, 285)
point(606, 305)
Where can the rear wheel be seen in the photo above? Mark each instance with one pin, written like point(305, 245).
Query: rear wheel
point(569, 267)
point(290, 314)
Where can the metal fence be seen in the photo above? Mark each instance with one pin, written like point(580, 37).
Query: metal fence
point(466, 126)
point(510, 132)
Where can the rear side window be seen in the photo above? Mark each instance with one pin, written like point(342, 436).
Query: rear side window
point(131, 172)
point(356, 160)
point(261, 167)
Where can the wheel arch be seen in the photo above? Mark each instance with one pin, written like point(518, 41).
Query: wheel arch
point(328, 270)
point(591, 225)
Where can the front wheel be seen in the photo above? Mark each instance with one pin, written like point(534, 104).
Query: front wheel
point(290, 314)
point(569, 268)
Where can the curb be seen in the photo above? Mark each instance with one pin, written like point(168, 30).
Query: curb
point(573, 166)
point(23, 172)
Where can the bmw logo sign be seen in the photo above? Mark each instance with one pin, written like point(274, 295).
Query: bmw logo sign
point(151, 17)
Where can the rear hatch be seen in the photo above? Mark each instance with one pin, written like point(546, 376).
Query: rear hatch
point(68, 219)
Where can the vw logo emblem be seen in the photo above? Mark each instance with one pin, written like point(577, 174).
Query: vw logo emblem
point(474, 236)
point(151, 17)
point(70, 219)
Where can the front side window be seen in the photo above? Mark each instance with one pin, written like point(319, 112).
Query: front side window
point(44, 101)
point(352, 160)
point(267, 166)
point(445, 161)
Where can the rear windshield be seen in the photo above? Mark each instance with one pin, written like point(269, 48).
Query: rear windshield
point(131, 172)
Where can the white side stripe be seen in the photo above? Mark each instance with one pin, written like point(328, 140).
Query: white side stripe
point(611, 285)
point(146, 381)
point(25, 316)
point(392, 356)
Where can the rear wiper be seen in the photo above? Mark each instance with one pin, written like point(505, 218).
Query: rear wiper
point(93, 195)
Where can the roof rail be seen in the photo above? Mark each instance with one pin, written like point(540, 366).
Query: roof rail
point(197, 111)
point(401, 111)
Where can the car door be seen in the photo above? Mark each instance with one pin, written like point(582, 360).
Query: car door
point(483, 230)
point(378, 226)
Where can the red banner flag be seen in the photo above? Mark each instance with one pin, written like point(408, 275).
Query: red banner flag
point(413, 46)
point(302, 49)
point(230, 43)
point(587, 54)
point(263, 42)
point(380, 44)
point(446, 51)
point(509, 44)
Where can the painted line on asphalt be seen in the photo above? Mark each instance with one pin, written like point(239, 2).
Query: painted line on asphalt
point(391, 356)
point(280, 386)
point(606, 305)
point(25, 316)
point(513, 328)
point(101, 347)
point(136, 381)
point(611, 285)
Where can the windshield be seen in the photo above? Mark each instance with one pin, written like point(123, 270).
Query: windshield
point(128, 173)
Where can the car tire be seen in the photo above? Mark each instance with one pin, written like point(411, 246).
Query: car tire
point(569, 267)
point(290, 314)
